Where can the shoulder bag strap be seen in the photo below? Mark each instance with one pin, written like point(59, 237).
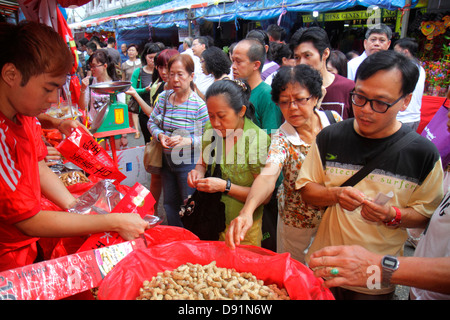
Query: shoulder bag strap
point(369, 167)
point(164, 112)
point(330, 116)
point(139, 78)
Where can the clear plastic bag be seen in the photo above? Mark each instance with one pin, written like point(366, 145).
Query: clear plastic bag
point(100, 199)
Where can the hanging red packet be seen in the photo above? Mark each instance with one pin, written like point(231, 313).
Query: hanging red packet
point(81, 149)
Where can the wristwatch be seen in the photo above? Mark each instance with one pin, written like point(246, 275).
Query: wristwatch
point(228, 186)
point(389, 264)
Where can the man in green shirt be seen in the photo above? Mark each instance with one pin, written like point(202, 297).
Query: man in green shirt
point(248, 60)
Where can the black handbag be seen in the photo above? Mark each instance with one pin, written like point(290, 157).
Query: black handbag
point(204, 213)
point(133, 105)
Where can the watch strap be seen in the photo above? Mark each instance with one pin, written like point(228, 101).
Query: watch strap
point(228, 186)
point(389, 265)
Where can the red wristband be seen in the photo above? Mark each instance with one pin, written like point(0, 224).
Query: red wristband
point(397, 219)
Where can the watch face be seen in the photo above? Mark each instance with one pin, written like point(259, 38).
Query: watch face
point(390, 262)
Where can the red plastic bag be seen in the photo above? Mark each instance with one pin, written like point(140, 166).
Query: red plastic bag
point(81, 149)
point(153, 236)
point(125, 280)
point(166, 234)
point(75, 88)
point(137, 200)
point(52, 136)
point(53, 248)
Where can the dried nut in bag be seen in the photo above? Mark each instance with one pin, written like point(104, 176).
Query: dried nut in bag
point(73, 177)
point(196, 282)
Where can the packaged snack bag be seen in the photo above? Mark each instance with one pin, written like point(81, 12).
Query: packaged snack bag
point(81, 149)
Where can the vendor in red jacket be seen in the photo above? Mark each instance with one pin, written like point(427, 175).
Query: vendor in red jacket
point(34, 63)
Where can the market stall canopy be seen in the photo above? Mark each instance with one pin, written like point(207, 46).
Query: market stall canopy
point(9, 8)
point(179, 12)
point(10, 5)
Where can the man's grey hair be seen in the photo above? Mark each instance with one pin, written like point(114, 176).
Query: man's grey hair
point(381, 29)
point(188, 41)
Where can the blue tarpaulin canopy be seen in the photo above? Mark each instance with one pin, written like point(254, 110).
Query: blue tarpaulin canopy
point(175, 13)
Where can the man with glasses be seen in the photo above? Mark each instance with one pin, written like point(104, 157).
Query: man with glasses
point(378, 38)
point(201, 80)
point(384, 85)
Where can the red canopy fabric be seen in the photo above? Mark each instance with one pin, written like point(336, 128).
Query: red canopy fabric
point(68, 3)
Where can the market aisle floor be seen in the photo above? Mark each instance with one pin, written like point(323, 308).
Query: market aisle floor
point(401, 293)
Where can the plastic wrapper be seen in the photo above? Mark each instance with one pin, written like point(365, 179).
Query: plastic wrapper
point(137, 200)
point(57, 247)
point(65, 276)
point(101, 198)
point(125, 280)
point(95, 196)
point(64, 111)
point(81, 149)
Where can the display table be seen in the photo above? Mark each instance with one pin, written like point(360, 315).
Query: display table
point(430, 105)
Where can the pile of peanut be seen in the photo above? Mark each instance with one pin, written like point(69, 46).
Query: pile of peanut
point(196, 282)
point(73, 177)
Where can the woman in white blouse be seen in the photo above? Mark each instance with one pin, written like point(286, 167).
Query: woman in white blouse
point(128, 68)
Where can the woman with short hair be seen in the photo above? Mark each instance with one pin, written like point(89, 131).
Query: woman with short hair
point(296, 91)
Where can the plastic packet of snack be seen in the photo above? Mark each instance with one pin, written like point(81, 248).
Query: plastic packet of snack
point(81, 149)
point(102, 198)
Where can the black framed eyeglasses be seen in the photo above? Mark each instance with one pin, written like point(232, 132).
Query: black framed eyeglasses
point(376, 105)
point(297, 102)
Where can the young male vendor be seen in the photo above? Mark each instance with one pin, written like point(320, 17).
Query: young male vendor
point(34, 62)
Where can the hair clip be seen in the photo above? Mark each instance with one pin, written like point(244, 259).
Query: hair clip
point(241, 84)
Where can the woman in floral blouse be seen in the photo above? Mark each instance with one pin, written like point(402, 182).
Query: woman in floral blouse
point(297, 91)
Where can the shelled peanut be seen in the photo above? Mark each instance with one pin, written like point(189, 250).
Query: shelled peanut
point(73, 177)
point(196, 282)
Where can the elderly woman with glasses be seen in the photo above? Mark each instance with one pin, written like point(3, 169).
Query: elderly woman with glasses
point(177, 122)
point(296, 91)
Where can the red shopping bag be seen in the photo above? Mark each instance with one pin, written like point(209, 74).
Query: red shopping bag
point(125, 280)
